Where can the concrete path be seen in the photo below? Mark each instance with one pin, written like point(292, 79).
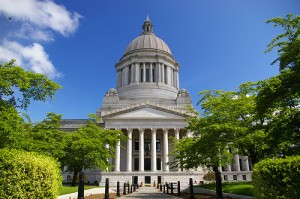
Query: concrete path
point(147, 192)
point(86, 193)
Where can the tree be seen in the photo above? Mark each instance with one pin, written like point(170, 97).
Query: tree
point(12, 127)
point(228, 124)
point(88, 148)
point(18, 87)
point(46, 138)
point(279, 96)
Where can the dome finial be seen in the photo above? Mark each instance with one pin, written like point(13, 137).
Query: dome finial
point(147, 26)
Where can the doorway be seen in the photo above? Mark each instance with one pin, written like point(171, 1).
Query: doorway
point(147, 179)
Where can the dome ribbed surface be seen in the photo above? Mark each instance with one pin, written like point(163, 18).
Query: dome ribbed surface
point(148, 41)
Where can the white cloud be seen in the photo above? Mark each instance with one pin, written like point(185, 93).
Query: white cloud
point(30, 32)
point(32, 57)
point(43, 14)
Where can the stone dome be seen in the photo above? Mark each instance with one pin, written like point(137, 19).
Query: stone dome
point(148, 40)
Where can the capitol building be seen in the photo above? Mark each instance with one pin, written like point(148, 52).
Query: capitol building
point(148, 106)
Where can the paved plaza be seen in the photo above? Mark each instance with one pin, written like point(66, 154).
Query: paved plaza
point(148, 192)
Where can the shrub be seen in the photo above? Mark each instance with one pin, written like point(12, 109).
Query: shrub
point(277, 178)
point(28, 175)
point(209, 176)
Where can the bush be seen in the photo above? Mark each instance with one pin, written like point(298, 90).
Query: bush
point(210, 176)
point(277, 178)
point(28, 175)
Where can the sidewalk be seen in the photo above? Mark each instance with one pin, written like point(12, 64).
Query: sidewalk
point(149, 193)
point(86, 193)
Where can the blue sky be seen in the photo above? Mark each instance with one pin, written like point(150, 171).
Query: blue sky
point(219, 44)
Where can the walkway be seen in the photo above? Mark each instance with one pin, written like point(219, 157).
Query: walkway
point(149, 193)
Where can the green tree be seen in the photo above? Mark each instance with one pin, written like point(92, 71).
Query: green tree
point(12, 127)
point(46, 138)
point(278, 98)
point(18, 87)
point(88, 148)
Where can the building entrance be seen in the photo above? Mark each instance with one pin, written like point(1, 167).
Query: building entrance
point(147, 179)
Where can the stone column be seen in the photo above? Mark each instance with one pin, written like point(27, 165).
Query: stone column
point(126, 75)
point(117, 159)
point(129, 150)
point(158, 72)
point(172, 76)
point(141, 150)
point(246, 163)
point(132, 73)
point(176, 134)
point(229, 168)
point(137, 72)
point(151, 76)
point(237, 162)
point(108, 161)
point(169, 76)
point(123, 76)
point(153, 149)
point(144, 72)
point(188, 134)
point(166, 149)
point(162, 72)
point(177, 79)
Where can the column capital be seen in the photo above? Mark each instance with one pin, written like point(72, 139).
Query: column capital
point(153, 130)
point(141, 130)
point(165, 130)
point(176, 130)
point(129, 130)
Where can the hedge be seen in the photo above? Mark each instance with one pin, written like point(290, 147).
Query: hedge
point(28, 175)
point(277, 178)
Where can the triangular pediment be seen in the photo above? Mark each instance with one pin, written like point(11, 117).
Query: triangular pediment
point(145, 113)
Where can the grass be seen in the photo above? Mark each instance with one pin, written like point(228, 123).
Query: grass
point(240, 188)
point(68, 189)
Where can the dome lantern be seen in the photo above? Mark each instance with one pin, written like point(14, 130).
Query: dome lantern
point(147, 26)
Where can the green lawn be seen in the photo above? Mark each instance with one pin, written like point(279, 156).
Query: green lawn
point(68, 189)
point(240, 188)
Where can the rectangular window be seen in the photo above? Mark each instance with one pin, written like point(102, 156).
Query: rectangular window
point(129, 75)
point(241, 165)
point(142, 75)
point(147, 75)
point(147, 145)
point(225, 177)
point(158, 164)
point(136, 145)
point(136, 164)
point(244, 177)
point(158, 146)
point(153, 74)
point(234, 177)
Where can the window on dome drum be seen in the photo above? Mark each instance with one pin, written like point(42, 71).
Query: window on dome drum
point(129, 74)
point(153, 74)
point(147, 75)
point(165, 70)
point(142, 75)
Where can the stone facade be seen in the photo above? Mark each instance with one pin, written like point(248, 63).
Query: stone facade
point(149, 106)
